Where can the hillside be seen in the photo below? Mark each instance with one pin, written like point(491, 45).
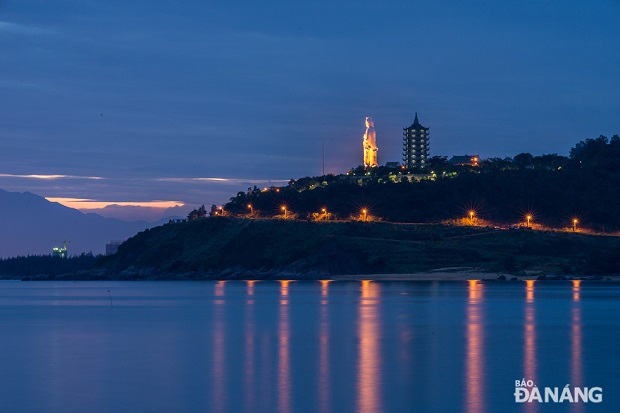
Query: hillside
point(242, 248)
point(33, 225)
point(552, 189)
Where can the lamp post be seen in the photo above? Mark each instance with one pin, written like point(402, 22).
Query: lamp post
point(471, 217)
point(324, 211)
point(529, 218)
point(365, 213)
point(575, 221)
point(251, 210)
point(284, 209)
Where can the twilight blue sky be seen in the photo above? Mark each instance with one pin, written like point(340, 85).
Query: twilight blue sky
point(148, 95)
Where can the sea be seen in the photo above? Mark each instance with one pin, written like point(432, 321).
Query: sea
point(310, 346)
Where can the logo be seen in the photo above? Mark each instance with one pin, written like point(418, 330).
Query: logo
point(528, 392)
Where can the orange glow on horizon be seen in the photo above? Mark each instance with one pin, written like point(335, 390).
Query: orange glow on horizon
point(84, 204)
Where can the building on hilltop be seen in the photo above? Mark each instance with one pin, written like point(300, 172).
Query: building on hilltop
point(464, 160)
point(415, 145)
point(112, 247)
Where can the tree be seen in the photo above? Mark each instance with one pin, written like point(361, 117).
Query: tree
point(197, 213)
point(524, 160)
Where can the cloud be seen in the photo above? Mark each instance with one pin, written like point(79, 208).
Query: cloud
point(232, 181)
point(21, 29)
point(51, 177)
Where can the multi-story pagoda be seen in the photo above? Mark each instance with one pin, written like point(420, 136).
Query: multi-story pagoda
point(415, 145)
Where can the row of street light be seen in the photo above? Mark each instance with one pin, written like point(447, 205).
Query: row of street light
point(364, 215)
point(528, 220)
point(324, 213)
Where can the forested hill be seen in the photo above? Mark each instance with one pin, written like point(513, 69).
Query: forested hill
point(554, 189)
point(224, 247)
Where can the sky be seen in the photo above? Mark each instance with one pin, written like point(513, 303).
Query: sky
point(165, 104)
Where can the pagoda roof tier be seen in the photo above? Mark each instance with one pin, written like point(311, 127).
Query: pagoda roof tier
point(416, 124)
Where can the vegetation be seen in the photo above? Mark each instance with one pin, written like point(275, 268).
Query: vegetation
point(553, 189)
point(224, 247)
point(35, 265)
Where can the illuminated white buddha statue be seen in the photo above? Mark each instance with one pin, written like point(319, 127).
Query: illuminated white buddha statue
point(370, 143)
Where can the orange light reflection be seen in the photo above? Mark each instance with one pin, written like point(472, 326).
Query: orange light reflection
point(219, 367)
point(250, 339)
point(284, 379)
point(219, 291)
point(369, 362)
point(474, 361)
point(576, 362)
point(529, 359)
point(324, 382)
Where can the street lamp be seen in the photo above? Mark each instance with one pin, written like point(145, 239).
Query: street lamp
point(324, 211)
point(251, 209)
point(471, 217)
point(284, 209)
point(529, 218)
point(365, 213)
point(575, 221)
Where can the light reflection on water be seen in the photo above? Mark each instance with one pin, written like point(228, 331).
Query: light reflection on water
point(364, 346)
point(323, 376)
point(529, 324)
point(284, 363)
point(576, 340)
point(369, 350)
point(219, 337)
point(474, 362)
point(250, 345)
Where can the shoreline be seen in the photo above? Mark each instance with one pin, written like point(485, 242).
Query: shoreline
point(443, 274)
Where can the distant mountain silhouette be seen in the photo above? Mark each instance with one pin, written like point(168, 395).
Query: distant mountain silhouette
point(30, 224)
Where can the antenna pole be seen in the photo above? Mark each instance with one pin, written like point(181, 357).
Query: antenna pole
point(323, 155)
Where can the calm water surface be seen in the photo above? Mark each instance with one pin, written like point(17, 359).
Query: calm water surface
point(304, 346)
